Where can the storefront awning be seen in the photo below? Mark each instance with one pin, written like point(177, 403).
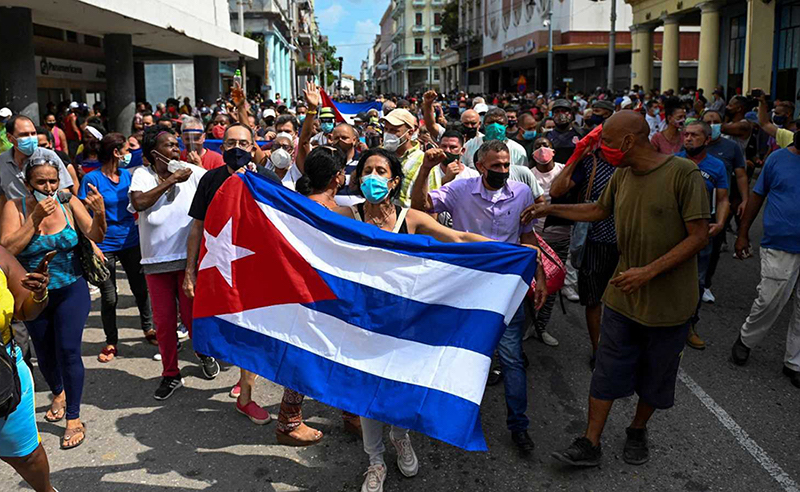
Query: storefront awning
point(577, 49)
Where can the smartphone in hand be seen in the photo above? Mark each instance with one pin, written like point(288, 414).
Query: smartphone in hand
point(48, 257)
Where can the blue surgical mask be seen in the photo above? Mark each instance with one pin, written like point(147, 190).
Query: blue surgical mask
point(39, 196)
point(126, 160)
point(529, 134)
point(326, 127)
point(656, 112)
point(716, 131)
point(27, 145)
point(301, 118)
point(375, 188)
point(136, 158)
point(495, 131)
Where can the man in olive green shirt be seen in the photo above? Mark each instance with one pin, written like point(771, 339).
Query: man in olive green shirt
point(661, 213)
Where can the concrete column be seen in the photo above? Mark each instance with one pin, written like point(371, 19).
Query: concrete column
point(139, 81)
point(18, 65)
point(119, 82)
point(206, 79)
point(758, 46)
point(670, 54)
point(642, 58)
point(708, 62)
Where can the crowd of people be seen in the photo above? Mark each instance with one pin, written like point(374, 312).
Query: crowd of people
point(633, 192)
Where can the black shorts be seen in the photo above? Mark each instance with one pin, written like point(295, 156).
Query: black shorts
point(635, 358)
point(599, 262)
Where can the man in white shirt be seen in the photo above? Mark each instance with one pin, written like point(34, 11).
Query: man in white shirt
point(495, 123)
point(653, 119)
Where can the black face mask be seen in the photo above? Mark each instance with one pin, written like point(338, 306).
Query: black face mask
point(595, 120)
point(450, 158)
point(236, 158)
point(512, 123)
point(469, 132)
point(495, 179)
point(695, 151)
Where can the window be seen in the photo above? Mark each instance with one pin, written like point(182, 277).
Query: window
point(789, 37)
point(435, 74)
point(437, 19)
point(418, 19)
point(91, 40)
point(736, 45)
point(72, 36)
point(48, 32)
point(437, 46)
point(418, 46)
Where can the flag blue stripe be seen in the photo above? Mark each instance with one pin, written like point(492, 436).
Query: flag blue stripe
point(437, 414)
point(436, 325)
point(355, 108)
point(493, 256)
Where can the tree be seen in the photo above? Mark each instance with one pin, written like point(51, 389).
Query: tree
point(450, 22)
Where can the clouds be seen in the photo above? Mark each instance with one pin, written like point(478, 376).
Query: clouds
point(355, 48)
point(331, 15)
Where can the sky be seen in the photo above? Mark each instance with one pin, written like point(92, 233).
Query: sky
point(351, 26)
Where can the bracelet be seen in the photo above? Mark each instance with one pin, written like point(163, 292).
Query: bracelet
point(39, 301)
point(311, 112)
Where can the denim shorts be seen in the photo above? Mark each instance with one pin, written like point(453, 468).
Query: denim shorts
point(632, 358)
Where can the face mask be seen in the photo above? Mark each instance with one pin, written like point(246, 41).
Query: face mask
point(512, 123)
point(236, 158)
point(595, 120)
point(547, 130)
point(495, 131)
point(50, 125)
point(496, 180)
point(678, 123)
point(27, 145)
point(693, 152)
point(126, 160)
point(218, 131)
point(716, 130)
point(469, 133)
point(375, 188)
point(175, 166)
point(529, 134)
point(136, 158)
point(779, 120)
point(281, 159)
point(39, 196)
point(612, 156)
point(326, 127)
point(656, 112)
point(543, 155)
point(461, 110)
point(561, 119)
point(450, 158)
point(301, 118)
point(391, 142)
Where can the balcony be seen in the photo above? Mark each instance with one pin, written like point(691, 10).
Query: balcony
point(399, 32)
point(419, 4)
point(418, 29)
point(436, 28)
point(399, 7)
point(437, 3)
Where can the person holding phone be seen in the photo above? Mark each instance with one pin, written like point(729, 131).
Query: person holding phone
point(43, 222)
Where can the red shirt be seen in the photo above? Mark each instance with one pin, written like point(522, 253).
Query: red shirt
point(211, 160)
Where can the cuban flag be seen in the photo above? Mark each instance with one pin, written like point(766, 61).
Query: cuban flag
point(395, 327)
point(345, 112)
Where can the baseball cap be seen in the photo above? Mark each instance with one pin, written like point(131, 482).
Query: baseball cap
point(626, 103)
point(562, 104)
point(399, 117)
point(481, 108)
point(601, 104)
point(326, 113)
point(268, 112)
point(74, 105)
point(5, 113)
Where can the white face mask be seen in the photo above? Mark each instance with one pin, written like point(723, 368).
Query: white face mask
point(391, 142)
point(281, 159)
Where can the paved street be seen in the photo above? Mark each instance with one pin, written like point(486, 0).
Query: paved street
point(731, 429)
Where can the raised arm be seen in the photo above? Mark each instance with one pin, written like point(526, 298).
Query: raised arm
point(427, 114)
point(142, 200)
point(92, 226)
point(313, 98)
point(420, 200)
point(422, 223)
point(763, 117)
point(243, 113)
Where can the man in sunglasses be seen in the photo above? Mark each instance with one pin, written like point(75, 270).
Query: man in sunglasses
point(193, 137)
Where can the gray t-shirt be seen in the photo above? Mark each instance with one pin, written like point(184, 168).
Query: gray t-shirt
point(12, 178)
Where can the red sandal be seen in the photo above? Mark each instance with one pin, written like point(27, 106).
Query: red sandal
point(107, 351)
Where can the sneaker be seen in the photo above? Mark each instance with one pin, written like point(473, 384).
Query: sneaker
point(183, 333)
point(794, 376)
point(255, 413)
point(210, 366)
point(570, 294)
point(693, 339)
point(235, 391)
point(708, 297)
point(375, 476)
point(167, 387)
point(580, 453)
point(740, 352)
point(523, 442)
point(406, 458)
point(547, 339)
point(636, 451)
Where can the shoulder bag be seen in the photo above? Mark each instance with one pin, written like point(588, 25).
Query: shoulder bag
point(580, 231)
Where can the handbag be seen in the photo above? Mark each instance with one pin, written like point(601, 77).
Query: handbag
point(553, 267)
point(10, 384)
point(95, 270)
point(580, 231)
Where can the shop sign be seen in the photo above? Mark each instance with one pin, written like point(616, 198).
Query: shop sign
point(60, 68)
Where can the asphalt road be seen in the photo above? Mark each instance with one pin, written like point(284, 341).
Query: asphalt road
point(732, 428)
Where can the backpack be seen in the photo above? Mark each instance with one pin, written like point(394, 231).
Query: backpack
point(10, 391)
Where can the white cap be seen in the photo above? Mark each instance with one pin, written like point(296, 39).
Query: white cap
point(5, 113)
point(268, 112)
point(481, 108)
point(626, 102)
point(74, 105)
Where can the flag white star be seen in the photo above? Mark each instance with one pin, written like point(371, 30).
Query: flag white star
point(222, 252)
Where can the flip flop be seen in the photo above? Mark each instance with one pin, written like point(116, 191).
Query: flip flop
point(62, 411)
point(107, 352)
point(150, 336)
point(70, 433)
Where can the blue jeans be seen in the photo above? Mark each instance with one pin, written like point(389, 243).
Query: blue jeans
point(703, 260)
point(514, 378)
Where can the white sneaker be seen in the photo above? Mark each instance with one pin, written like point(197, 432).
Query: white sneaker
point(570, 294)
point(708, 297)
point(406, 458)
point(548, 339)
point(183, 333)
point(157, 356)
point(375, 476)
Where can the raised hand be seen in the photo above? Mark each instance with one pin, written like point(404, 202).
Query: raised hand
point(94, 200)
point(181, 175)
point(433, 157)
point(43, 209)
point(312, 96)
point(429, 97)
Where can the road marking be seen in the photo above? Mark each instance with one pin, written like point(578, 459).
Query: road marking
point(763, 459)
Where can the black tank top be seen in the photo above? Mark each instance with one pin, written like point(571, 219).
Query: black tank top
point(403, 229)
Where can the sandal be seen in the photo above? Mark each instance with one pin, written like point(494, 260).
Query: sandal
point(70, 433)
point(286, 439)
point(107, 354)
point(150, 336)
point(59, 414)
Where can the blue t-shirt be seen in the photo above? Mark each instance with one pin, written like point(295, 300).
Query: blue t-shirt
point(122, 232)
point(778, 182)
point(728, 152)
point(713, 171)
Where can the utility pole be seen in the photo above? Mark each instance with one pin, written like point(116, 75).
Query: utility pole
point(550, 46)
point(466, 71)
point(341, 64)
point(612, 44)
point(242, 66)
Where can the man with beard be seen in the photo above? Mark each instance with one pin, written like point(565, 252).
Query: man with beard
point(345, 138)
point(564, 136)
point(735, 126)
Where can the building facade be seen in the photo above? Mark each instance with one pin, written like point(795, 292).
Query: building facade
point(742, 44)
point(101, 57)
point(418, 44)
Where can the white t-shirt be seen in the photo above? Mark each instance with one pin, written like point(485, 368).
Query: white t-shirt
point(164, 227)
point(545, 180)
point(292, 175)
